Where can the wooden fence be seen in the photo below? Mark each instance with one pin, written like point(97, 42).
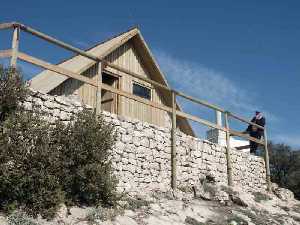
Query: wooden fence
point(15, 54)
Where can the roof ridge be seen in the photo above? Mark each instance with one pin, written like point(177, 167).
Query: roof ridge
point(112, 37)
point(100, 43)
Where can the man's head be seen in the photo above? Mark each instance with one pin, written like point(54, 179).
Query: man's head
point(258, 115)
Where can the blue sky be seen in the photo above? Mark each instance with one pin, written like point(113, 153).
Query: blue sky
point(241, 55)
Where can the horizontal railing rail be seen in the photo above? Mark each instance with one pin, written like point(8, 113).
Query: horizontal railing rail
point(14, 54)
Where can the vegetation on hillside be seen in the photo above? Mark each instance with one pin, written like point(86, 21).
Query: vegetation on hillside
point(43, 165)
point(12, 91)
point(285, 167)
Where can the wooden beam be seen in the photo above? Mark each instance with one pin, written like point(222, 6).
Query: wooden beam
point(239, 134)
point(245, 121)
point(138, 76)
point(136, 98)
point(57, 42)
point(5, 53)
point(242, 147)
point(267, 163)
point(173, 143)
point(55, 68)
point(4, 26)
point(106, 63)
point(228, 149)
point(201, 102)
point(197, 119)
point(15, 47)
point(98, 90)
point(83, 53)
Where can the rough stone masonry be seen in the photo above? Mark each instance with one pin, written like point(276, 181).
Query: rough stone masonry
point(142, 153)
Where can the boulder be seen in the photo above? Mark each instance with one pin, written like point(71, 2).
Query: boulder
point(210, 192)
point(3, 220)
point(284, 194)
point(239, 197)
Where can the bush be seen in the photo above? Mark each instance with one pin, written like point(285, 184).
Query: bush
point(12, 91)
point(29, 166)
point(44, 165)
point(98, 214)
point(285, 167)
point(85, 149)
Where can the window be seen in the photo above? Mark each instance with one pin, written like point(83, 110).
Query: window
point(141, 91)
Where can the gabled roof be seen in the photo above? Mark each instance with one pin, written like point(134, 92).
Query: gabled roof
point(48, 80)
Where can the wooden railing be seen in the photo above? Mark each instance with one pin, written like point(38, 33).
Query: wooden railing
point(15, 54)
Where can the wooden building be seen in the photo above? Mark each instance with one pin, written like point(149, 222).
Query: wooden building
point(127, 50)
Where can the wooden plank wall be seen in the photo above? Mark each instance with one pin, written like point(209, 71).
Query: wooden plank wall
point(86, 92)
point(127, 57)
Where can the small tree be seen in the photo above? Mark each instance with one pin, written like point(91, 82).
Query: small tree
point(29, 166)
point(280, 161)
point(285, 167)
point(12, 91)
point(85, 150)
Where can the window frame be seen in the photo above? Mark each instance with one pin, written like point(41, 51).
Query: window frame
point(144, 86)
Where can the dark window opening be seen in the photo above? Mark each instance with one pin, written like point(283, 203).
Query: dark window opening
point(141, 91)
point(109, 100)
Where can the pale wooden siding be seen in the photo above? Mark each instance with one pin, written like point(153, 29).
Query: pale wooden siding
point(86, 92)
point(127, 57)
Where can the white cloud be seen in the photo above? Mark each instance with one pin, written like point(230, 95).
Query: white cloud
point(210, 85)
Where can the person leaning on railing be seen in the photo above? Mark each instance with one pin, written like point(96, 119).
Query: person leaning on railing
point(254, 131)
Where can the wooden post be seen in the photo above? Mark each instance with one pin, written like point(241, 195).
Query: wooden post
point(98, 90)
point(228, 157)
point(267, 163)
point(173, 142)
point(15, 46)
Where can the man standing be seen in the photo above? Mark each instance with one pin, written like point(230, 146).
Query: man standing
point(256, 132)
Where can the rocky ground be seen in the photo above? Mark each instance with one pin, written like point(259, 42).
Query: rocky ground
point(209, 204)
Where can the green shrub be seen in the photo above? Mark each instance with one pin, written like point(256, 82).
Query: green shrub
point(28, 166)
point(42, 166)
point(12, 91)
point(136, 203)
point(85, 150)
point(102, 214)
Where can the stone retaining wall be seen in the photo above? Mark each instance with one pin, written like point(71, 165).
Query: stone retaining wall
point(141, 155)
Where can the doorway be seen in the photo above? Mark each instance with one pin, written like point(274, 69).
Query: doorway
point(109, 100)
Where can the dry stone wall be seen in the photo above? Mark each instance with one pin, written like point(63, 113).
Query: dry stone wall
point(141, 155)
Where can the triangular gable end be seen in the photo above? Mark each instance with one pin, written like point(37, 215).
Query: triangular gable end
point(48, 80)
